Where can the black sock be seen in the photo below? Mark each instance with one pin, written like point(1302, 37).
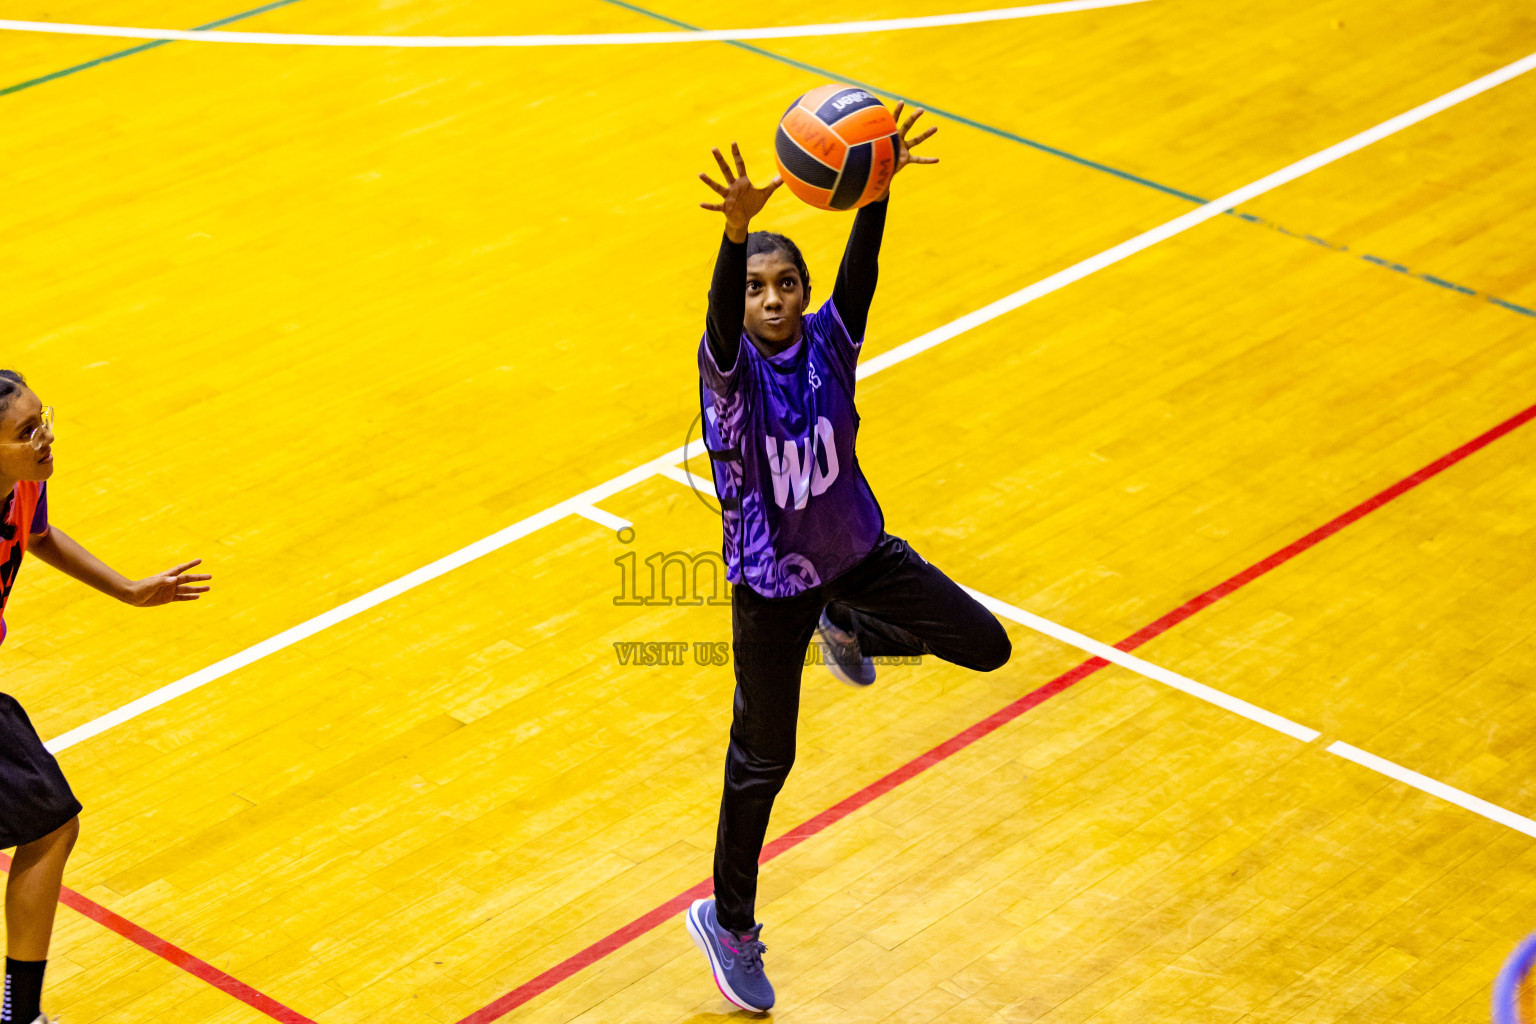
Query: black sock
point(23, 991)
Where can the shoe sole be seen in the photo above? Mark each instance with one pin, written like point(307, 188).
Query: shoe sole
point(696, 932)
point(845, 678)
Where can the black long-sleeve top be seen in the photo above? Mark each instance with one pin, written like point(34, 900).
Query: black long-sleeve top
point(852, 294)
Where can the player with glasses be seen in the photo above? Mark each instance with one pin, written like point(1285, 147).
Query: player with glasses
point(39, 434)
point(39, 814)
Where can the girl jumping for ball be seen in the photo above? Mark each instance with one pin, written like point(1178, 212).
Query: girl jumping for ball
point(805, 543)
point(38, 812)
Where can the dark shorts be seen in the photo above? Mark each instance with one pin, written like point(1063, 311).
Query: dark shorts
point(34, 798)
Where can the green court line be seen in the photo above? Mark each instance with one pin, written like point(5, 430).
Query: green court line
point(834, 76)
point(119, 55)
point(1073, 157)
point(909, 101)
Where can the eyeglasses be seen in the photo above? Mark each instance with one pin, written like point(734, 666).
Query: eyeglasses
point(34, 438)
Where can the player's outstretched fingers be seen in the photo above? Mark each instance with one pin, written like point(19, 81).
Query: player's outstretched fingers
point(725, 168)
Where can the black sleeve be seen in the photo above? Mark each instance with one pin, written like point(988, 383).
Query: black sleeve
point(727, 303)
point(856, 278)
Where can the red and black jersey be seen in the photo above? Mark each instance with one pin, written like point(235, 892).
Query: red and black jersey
point(25, 516)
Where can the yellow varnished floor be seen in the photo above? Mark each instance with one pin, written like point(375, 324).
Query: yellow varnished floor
point(322, 316)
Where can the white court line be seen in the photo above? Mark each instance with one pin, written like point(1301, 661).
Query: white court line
point(1252, 712)
point(1477, 805)
point(690, 480)
point(1209, 694)
point(594, 39)
point(1226, 701)
point(602, 518)
point(580, 504)
point(1199, 215)
point(885, 360)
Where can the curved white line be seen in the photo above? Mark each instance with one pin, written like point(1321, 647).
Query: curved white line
point(598, 39)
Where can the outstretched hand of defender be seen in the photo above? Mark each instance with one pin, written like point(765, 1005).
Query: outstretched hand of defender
point(172, 585)
point(904, 153)
point(740, 200)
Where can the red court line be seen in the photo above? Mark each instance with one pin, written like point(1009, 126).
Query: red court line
point(1325, 531)
point(174, 954)
point(795, 836)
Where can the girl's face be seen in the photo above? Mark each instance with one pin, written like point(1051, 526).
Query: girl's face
point(775, 298)
point(26, 446)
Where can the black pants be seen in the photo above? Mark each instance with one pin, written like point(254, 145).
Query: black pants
point(897, 604)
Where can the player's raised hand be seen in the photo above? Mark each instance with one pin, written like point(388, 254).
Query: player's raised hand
point(172, 585)
point(740, 200)
point(904, 153)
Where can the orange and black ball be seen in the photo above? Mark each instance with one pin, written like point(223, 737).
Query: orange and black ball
point(836, 147)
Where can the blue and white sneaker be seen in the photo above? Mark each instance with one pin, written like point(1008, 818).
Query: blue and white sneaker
point(736, 960)
point(842, 654)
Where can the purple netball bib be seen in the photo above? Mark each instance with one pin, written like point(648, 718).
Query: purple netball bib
point(797, 510)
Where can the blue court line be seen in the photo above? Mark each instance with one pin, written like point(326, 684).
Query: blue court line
point(119, 55)
point(1002, 133)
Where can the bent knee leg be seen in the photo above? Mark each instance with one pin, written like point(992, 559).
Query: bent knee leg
point(992, 648)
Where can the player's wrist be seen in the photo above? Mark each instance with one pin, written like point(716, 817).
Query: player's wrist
point(124, 589)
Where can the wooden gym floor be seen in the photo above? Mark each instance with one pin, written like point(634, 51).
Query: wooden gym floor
point(323, 316)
